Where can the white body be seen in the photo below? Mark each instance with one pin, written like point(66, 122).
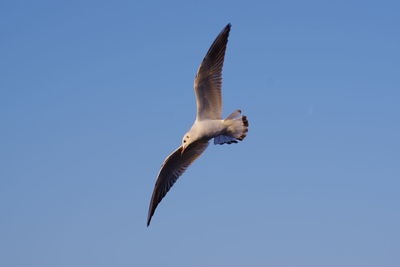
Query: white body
point(207, 129)
point(226, 131)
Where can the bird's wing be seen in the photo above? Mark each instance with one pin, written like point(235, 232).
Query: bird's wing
point(208, 81)
point(173, 167)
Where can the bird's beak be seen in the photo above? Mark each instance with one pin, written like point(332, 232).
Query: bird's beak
point(183, 150)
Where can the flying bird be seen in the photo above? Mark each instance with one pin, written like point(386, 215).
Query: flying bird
point(208, 123)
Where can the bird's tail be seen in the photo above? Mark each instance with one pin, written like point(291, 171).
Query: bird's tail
point(237, 128)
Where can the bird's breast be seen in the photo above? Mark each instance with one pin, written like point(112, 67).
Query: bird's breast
point(209, 128)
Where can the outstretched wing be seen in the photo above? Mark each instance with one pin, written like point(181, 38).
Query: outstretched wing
point(173, 167)
point(208, 81)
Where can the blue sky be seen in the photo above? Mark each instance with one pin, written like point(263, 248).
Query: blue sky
point(95, 94)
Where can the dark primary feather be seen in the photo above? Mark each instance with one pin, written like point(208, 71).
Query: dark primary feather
point(208, 81)
point(173, 167)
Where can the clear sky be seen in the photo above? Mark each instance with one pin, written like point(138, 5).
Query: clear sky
point(95, 94)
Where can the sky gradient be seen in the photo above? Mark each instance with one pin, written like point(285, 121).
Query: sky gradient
point(95, 94)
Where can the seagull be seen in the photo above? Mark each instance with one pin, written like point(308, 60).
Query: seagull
point(208, 123)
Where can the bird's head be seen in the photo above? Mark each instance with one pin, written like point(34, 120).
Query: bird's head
point(186, 141)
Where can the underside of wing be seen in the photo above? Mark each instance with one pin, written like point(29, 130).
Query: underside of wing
point(173, 167)
point(208, 81)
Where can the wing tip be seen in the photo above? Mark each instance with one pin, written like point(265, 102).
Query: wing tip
point(152, 209)
point(149, 219)
point(227, 28)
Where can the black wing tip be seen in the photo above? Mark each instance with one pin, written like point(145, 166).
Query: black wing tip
point(150, 214)
point(149, 219)
point(227, 28)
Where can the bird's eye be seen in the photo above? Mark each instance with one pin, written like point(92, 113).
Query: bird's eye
point(184, 141)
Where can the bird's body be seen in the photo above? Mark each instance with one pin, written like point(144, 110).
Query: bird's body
point(208, 123)
point(207, 129)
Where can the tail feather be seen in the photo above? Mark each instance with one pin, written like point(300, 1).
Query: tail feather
point(237, 128)
point(245, 128)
